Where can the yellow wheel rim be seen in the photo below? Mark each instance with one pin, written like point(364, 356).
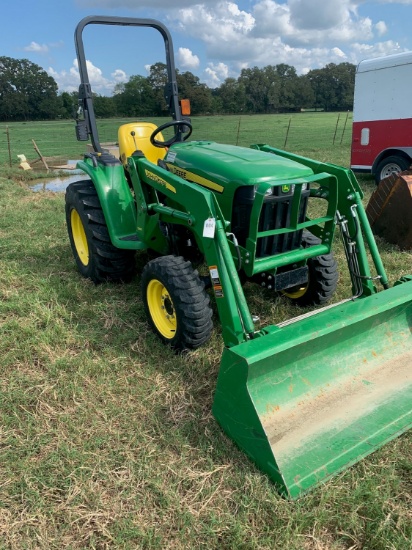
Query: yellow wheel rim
point(79, 237)
point(161, 309)
point(298, 292)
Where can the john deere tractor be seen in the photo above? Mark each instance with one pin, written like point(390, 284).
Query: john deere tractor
point(304, 398)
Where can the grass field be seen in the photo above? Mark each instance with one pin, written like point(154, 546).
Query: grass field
point(107, 439)
point(301, 132)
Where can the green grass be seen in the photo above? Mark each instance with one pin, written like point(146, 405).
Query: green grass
point(107, 438)
point(309, 132)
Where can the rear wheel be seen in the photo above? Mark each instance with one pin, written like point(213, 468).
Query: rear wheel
point(176, 303)
point(391, 165)
point(322, 278)
point(96, 258)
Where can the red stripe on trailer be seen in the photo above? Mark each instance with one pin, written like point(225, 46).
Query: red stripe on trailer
point(370, 138)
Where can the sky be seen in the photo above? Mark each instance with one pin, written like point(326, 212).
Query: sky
point(214, 39)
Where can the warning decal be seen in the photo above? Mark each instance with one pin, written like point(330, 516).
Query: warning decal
point(214, 276)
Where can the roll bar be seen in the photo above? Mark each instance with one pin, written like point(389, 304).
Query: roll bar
point(88, 127)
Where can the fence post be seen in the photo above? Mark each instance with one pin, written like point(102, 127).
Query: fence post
point(344, 127)
point(336, 129)
point(8, 145)
point(287, 133)
point(238, 131)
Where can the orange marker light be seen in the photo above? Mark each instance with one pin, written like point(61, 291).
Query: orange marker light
point(185, 107)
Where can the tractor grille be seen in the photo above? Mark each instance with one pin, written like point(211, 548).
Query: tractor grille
point(275, 214)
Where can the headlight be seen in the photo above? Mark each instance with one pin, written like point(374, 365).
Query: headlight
point(267, 192)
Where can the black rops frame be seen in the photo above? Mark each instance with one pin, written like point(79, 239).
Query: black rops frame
point(88, 127)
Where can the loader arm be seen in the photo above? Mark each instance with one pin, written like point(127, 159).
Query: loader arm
point(350, 215)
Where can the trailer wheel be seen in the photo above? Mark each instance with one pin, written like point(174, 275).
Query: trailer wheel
point(96, 258)
point(176, 303)
point(391, 165)
point(322, 278)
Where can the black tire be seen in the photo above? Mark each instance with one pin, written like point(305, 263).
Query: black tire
point(391, 165)
point(96, 258)
point(322, 280)
point(176, 304)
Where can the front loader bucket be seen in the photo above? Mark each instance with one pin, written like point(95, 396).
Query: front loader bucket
point(309, 399)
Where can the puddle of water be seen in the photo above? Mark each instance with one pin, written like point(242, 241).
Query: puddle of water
point(58, 185)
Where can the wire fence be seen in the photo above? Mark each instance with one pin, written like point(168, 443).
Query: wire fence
point(56, 141)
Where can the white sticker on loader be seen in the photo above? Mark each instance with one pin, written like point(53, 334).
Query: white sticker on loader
point(209, 228)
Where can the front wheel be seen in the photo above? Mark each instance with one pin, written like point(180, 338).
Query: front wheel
point(391, 165)
point(322, 278)
point(176, 303)
point(96, 258)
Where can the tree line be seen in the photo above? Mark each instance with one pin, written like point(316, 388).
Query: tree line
point(27, 92)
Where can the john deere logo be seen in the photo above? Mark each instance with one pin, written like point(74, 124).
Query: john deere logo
point(285, 188)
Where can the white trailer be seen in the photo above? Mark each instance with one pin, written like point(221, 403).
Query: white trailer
point(382, 116)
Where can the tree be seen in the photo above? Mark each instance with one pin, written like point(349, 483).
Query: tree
point(199, 94)
point(257, 87)
point(232, 95)
point(288, 100)
point(104, 107)
point(136, 98)
point(26, 91)
point(304, 96)
point(344, 77)
point(69, 103)
point(189, 87)
point(158, 80)
point(333, 86)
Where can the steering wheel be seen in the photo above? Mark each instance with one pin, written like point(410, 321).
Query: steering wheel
point(182, 127)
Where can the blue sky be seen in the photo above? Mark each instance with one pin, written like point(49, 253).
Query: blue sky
point(214, 39)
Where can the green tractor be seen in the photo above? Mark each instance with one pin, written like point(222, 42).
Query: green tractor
point(305, 398)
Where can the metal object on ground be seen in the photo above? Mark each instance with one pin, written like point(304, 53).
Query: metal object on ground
point(389, 210)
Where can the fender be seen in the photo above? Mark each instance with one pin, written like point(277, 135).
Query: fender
point(117, 202)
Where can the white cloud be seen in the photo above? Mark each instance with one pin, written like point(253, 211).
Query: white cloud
point(215, 74)
point(96, 78)
point(186, 59)
point(323, 24)
point(321, 14)
point(69, 81)
point(37, 48)
point(339, 53)
point(222, 24)
point(66, 81)
point(305, 34)
point(379, 49)
point(272, 19)
point(381, 28)
point(119, 76)
point(277, 31)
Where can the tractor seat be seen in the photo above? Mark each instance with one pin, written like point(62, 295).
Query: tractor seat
point(140, 140)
